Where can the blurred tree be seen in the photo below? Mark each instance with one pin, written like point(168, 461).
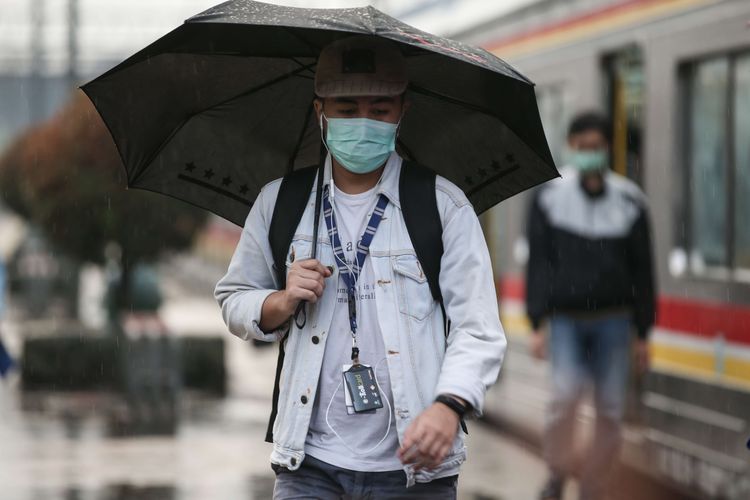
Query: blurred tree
point(65, 176)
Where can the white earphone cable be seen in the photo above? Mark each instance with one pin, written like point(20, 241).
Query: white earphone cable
point(390, 415)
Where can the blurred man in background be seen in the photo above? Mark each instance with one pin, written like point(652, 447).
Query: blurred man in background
point(590, 275)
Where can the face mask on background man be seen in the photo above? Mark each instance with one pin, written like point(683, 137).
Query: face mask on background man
point(360, 145)
point(589, 161)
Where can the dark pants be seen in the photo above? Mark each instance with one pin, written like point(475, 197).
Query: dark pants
point(321, 481)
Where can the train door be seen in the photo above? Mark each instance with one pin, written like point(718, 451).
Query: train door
point(623, 95)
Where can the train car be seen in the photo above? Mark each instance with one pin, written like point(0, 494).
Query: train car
point(674, 75)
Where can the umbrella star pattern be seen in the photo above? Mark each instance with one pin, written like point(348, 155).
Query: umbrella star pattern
point(499, 172)
point(225, 181)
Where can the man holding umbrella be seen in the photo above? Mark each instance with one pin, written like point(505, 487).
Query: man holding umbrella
point(374, 386)
point(387, 320)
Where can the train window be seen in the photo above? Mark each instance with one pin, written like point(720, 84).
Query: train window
point(718, 158)
point(624, 97)
point(708, 156)
point(742, 160)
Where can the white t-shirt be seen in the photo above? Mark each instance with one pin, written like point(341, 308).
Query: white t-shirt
point(361, 431)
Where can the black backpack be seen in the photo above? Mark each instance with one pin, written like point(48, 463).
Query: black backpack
point(418, 206)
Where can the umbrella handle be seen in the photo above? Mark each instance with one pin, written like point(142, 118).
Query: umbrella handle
point(300, 315)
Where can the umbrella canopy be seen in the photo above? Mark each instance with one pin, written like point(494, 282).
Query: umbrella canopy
point(222, 105)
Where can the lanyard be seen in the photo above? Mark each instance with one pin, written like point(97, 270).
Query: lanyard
point(351, 275)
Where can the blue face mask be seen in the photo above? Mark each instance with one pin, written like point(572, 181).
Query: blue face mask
point(360, 145)
point(588, 161)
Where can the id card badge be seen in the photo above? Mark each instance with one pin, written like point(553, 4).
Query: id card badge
point(362, 393)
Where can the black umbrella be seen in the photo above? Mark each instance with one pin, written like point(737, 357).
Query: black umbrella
point(220, 106)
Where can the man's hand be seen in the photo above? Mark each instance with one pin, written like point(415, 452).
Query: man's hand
point(305, 281)
point(642, 356)
point(430, 437)
point(538, 345)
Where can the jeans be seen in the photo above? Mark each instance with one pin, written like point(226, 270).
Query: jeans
point(317, 480)
point(583, 350)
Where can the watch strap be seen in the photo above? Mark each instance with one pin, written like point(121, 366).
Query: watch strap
point(454, 405)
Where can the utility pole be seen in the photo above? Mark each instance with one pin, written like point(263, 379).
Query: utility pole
point(72, 73)
point(36, 88)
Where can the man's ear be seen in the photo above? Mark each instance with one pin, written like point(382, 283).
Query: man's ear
point(318, 104)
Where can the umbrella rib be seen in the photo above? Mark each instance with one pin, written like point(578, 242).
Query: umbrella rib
point(302, 64)
point(302, 39)
point(452, 100)
point(257, 88)
point(263, 85)
point(473, 107)
point(406, 150)
point(491, 179)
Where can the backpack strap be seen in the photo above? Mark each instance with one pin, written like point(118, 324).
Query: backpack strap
point(422, 218)
point(291, 201)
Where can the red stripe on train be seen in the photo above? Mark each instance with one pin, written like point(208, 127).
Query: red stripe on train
point(607, 12)
point(705, 319)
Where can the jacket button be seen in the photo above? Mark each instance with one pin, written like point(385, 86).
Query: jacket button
point(303, 399)
point(293, 461)
point(315, 339)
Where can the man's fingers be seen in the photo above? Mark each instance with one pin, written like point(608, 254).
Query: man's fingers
point(314, 265)
point(410, 455)
point(409, 450)
point(427, 442)
point(410, 437)
point(311, 274)
point(308, 263)
point(304, 294)
point(444, 452)
point(406, 446)
point(436, 450)
point(314, 285)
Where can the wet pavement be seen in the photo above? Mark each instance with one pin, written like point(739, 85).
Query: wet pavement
point(60, 445)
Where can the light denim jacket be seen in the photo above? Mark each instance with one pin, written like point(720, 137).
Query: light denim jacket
point(422, 363)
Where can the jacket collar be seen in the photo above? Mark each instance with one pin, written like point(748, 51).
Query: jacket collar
point(388, 184)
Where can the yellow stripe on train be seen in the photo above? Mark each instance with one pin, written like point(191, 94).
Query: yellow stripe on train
point(696, 359)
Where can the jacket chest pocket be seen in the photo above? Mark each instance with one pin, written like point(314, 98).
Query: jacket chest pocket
point(414, 297)
point(299, 249)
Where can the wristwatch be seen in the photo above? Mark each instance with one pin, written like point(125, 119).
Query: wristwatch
point(452, 403)
point(457, 407)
